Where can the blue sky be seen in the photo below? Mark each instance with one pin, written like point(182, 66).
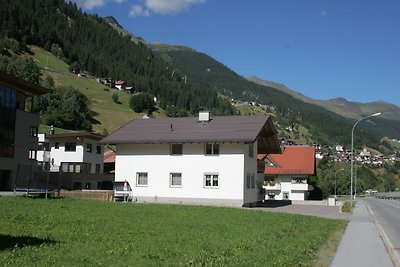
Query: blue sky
point(321, 48)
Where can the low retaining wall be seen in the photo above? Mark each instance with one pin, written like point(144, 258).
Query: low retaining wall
point(107, 195)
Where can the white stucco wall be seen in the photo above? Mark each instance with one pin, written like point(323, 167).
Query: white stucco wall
point(288, 187)
point(250, 168)
point(80, 155)
point(155, 159)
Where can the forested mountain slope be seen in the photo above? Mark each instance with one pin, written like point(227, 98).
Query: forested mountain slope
point(89, 43)
point(324, 125)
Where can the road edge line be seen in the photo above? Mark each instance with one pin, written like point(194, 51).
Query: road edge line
point(394, 256)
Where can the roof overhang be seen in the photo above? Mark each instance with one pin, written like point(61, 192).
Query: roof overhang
point(22, 86)
point(267, 140)
point(75, 136)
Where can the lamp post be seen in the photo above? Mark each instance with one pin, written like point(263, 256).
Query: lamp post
point(335, 178)
point(352, 152)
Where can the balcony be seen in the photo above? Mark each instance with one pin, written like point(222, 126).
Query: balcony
point(272, 186)
point(300, 187)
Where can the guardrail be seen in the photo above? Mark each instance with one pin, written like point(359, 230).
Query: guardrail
point(387, 195)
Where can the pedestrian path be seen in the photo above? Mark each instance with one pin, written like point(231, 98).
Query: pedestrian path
point(361, 244)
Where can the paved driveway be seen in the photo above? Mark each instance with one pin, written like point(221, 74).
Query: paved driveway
point(312, 210)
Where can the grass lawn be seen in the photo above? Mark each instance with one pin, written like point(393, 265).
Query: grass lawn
point(70, 232)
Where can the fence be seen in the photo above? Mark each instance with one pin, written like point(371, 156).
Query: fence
point(107, 195)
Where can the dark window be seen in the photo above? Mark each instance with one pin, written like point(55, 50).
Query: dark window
point(212, 149)
point(69, 146)
point(43, 146)
point(57, 145)
point(8, 106)
point(88, 185)
point(98, 166)
point(89, 148)
point(211, 180)
point(251, 150)
point(33, 131)
point(176, 149)
point(98, 149)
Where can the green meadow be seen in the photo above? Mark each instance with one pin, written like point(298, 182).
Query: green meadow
point(70, 232)
point(107, 114)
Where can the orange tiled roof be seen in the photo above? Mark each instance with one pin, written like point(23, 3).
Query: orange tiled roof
point(109, 156)
point(293, 160)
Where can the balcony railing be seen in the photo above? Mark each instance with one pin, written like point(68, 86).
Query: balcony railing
point(272, 186)
point(299, 187)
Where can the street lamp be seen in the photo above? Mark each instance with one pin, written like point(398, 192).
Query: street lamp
point(335, 178)
point(352, 151)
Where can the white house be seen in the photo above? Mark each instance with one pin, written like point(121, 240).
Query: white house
point(286, 175)
point(75, 152)
point(205, 160)
point(43, 152)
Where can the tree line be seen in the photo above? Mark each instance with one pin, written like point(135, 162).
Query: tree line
point(89, 43)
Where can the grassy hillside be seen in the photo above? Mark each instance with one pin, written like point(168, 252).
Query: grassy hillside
point(46, 60)
point(109, 115)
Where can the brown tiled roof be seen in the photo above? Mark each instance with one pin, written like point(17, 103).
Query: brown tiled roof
point(189, 130)
point(293, 160)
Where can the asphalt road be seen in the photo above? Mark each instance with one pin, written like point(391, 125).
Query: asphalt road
point(387, 216)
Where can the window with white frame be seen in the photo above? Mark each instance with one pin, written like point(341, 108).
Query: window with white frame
point(141, 179)
point(32, 154)
point(176, 149)
point(212, 149)
point(175, 179)
point(211, 180)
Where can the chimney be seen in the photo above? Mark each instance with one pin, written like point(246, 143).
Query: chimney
point(204, 116)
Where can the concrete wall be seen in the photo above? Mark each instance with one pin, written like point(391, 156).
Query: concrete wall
point(156, 161)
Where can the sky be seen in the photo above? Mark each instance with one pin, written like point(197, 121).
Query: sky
point(323, 49)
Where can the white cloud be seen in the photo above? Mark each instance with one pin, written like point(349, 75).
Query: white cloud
point(163, 7)
point(90, 4)
point(137, 10)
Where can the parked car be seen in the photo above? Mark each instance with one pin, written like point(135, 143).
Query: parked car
point(122, 191)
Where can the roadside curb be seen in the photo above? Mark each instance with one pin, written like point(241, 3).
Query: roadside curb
point(394, 256)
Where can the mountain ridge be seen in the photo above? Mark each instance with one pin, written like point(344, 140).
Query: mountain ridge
point(340, 105)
